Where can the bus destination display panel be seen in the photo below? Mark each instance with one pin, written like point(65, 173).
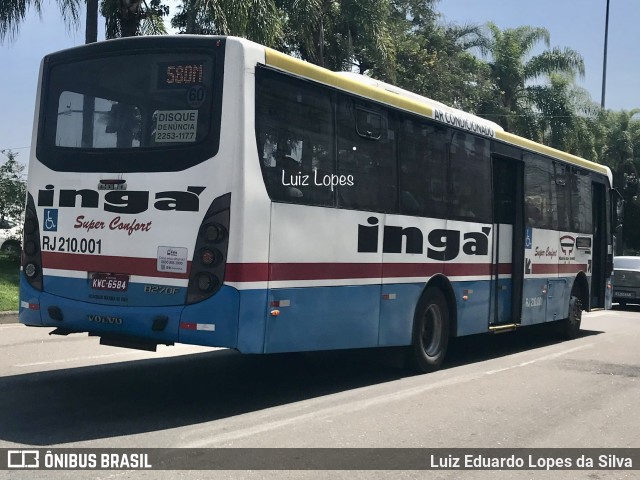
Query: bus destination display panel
point(180, 74)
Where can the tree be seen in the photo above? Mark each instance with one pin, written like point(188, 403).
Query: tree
point(257, 20)
point(124, 18)
point(13, 188)
point(621, 152)
point(436, 61)
point(514, 73)
point(342, 36)
point(347, 35)
point(127, 18)
point(13, 13)
point(566, 116)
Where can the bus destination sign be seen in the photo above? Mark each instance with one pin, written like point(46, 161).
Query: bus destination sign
point(180, 74)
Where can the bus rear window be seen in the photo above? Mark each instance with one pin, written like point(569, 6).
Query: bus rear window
point(130, 101)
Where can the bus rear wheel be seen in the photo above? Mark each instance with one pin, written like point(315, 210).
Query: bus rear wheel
point(430, 332)
point(571, 324)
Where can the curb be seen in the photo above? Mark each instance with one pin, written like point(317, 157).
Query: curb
point(8, 317)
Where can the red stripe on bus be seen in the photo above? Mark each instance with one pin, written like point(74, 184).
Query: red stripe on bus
point(147, 267)
point(246, 272)
point(262, 272)
point(553, 268)
point(323, 271)
point(572, 268)
point(541, 268)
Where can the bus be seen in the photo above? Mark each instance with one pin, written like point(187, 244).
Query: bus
point(208, 190)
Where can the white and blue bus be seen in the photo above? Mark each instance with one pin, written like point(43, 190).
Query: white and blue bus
point(212, 191)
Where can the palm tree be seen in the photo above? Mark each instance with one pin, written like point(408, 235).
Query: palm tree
point(514, 72)
point(337, 35)
point(257, 20)
point(566, 116)
point(347, 35)
point(123, 17)
point(13, 13)
point(128, 18)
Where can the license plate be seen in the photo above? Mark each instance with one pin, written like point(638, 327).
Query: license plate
point(110, 281)
point(623, 294)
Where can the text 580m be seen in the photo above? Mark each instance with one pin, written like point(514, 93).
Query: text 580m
point(72, 245)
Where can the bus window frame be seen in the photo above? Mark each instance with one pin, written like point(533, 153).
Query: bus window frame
point(138, 159)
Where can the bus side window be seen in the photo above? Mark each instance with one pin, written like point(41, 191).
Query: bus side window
point(422, 169)
point(541, 203)
point(469, 178)
point(294, 133)
point(366, 157)
point(581, 204)
point(562, 178)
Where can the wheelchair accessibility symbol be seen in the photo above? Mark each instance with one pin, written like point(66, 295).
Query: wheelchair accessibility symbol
point(50, 220)
point(528, 238)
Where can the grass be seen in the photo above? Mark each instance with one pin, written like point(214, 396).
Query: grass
point(9, 270)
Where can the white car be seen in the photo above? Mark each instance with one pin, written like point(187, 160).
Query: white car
point(9, 237)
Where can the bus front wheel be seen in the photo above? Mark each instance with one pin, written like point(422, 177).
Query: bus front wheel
point(430, 332)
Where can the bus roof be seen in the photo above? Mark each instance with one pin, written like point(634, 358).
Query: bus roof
point(392, 95)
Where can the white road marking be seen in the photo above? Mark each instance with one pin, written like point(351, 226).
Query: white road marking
point(73, 359)
point(12, 325)
point(536, 360)
point(176, 350)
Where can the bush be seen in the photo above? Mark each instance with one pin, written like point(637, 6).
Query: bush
point(9, 279)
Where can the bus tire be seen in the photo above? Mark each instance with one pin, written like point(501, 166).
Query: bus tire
point(430, 337)
point(571, 324)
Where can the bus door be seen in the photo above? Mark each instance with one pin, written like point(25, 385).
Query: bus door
point(508, 245)
point(599, 258)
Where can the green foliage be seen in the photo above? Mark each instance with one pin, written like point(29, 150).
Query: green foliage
point(9, 278)
point(620, 148)
point(519, 98)
point(257, 20)
point(128, 19)
point(12, 188)
point(434, 61)
point(346, 35)
point(488, 71)
point(13, 13)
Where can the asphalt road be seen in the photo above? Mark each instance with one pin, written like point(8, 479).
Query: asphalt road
point(525, 389)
